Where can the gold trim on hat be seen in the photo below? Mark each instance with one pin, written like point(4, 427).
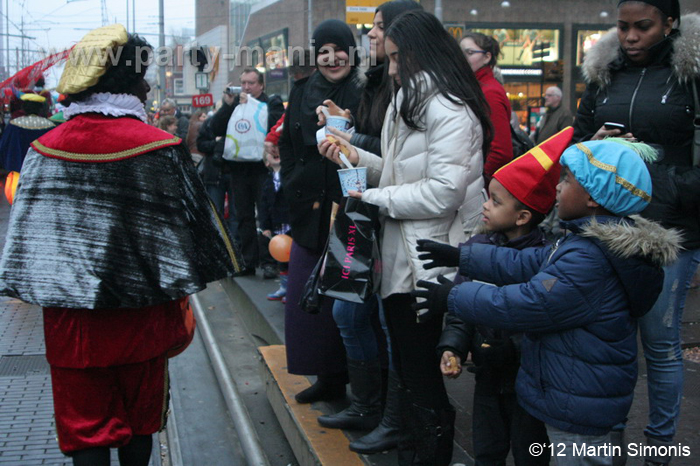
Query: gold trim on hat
point(613, 169)
point(542, 157)
point(90, 58)
point(110, 157)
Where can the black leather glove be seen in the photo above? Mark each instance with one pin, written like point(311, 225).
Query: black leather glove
point(497, 352)
point(441, 255)
point(436, 299)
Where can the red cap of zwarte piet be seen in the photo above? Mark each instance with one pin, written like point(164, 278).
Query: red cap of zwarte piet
point(532, 178)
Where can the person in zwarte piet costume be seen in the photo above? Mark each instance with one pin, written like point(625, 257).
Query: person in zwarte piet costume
point(110, 231)
point(21, 131)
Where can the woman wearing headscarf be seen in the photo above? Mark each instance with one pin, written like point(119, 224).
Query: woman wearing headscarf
point(311, 185)
point(642, 75)
point(362, 336)
point(436, 131)
point(110, 231)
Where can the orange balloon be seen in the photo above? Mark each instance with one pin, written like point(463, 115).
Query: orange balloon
point(281, 247)
point(11, 186)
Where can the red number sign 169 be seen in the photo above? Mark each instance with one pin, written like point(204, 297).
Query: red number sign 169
point(202, 100)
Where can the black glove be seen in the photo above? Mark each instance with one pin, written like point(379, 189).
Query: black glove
point(436, 299)
point(497, 352)
point(441, 255)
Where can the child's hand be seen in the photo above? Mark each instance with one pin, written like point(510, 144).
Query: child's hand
point(440, 254)
point(450, 365)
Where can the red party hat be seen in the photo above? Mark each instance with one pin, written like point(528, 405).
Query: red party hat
point(532, 178)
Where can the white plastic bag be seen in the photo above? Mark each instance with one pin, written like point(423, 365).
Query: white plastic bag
point(246, 132)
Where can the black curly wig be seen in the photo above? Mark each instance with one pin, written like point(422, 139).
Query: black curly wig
point(121, 77)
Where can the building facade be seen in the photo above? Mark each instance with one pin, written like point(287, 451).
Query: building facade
point(543, 41)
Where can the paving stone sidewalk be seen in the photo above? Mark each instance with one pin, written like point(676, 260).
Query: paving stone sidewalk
point(27, 428)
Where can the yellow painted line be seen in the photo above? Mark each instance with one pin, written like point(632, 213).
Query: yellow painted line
point(330, 445)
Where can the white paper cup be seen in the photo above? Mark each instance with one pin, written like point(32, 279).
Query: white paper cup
point(353, 179)
point(320, 135)
point(337, 122)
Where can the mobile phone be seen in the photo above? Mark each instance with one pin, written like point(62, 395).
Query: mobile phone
point(234, 90)
point(611, 125)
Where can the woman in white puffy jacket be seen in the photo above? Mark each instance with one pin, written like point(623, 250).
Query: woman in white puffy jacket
point(429, 180)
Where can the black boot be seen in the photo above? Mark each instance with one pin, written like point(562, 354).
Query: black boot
point(433, 435)
point(386, 435)
point(364, 412)
point(657, 460)
point(328, 387)
point(617, 440)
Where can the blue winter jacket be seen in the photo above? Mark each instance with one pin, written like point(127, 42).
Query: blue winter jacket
point(577, 303)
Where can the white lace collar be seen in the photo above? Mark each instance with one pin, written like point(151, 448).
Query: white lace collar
point(117, 105)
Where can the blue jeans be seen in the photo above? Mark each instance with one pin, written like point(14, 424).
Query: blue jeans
point(569, 449)
point(355, 324)
point(660, 331)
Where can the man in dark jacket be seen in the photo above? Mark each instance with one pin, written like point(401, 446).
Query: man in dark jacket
point(247, 177)
point(168, 107)
point(557, 117)
point(215, 174)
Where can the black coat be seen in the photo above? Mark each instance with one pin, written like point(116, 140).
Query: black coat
point(462, 338)
point(273, 211)
point(368, 136)
point(655, 103)
point(310, 180)
point(213, 166)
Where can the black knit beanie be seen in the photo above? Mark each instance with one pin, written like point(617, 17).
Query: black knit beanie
point(670, 8)
point(333, 31)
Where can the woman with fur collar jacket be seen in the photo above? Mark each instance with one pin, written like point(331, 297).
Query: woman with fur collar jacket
point(642, 75)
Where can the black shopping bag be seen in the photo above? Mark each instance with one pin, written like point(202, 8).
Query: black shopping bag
point(352, 267)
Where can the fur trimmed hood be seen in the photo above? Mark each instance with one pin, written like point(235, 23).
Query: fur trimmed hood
point(685, 60)
point(636, 248)
point(638, 238)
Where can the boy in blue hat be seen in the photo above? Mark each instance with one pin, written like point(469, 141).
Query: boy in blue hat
point(577, 302)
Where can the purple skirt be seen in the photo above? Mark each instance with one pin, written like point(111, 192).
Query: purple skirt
point(314, 345)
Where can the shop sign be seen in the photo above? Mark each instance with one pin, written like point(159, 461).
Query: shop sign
point(202, 100)
point(456, 30)
point(361, 11)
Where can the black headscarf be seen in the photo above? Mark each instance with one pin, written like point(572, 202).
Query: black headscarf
point(670, 8)
point(346, 94)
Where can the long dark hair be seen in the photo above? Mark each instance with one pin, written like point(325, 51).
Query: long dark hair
point(122, 76)
point(372, 109)
point(425, 46)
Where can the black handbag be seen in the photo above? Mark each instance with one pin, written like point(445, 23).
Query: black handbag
point(352, 268)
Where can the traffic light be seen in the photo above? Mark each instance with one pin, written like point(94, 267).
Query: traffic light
point(198, 57)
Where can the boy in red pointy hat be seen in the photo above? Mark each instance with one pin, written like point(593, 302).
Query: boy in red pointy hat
point(576, 304)
point(522, 193)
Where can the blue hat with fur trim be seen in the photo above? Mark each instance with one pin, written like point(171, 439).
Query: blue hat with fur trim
point(613, 172)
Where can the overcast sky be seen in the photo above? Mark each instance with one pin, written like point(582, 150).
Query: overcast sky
point(59, 24)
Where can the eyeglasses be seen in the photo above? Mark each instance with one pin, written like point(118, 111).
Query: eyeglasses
point(470, 52)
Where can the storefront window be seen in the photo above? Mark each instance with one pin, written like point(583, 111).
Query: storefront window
point(525, 47)
point(584, 41)
point(524, 96)
point(270, 57)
